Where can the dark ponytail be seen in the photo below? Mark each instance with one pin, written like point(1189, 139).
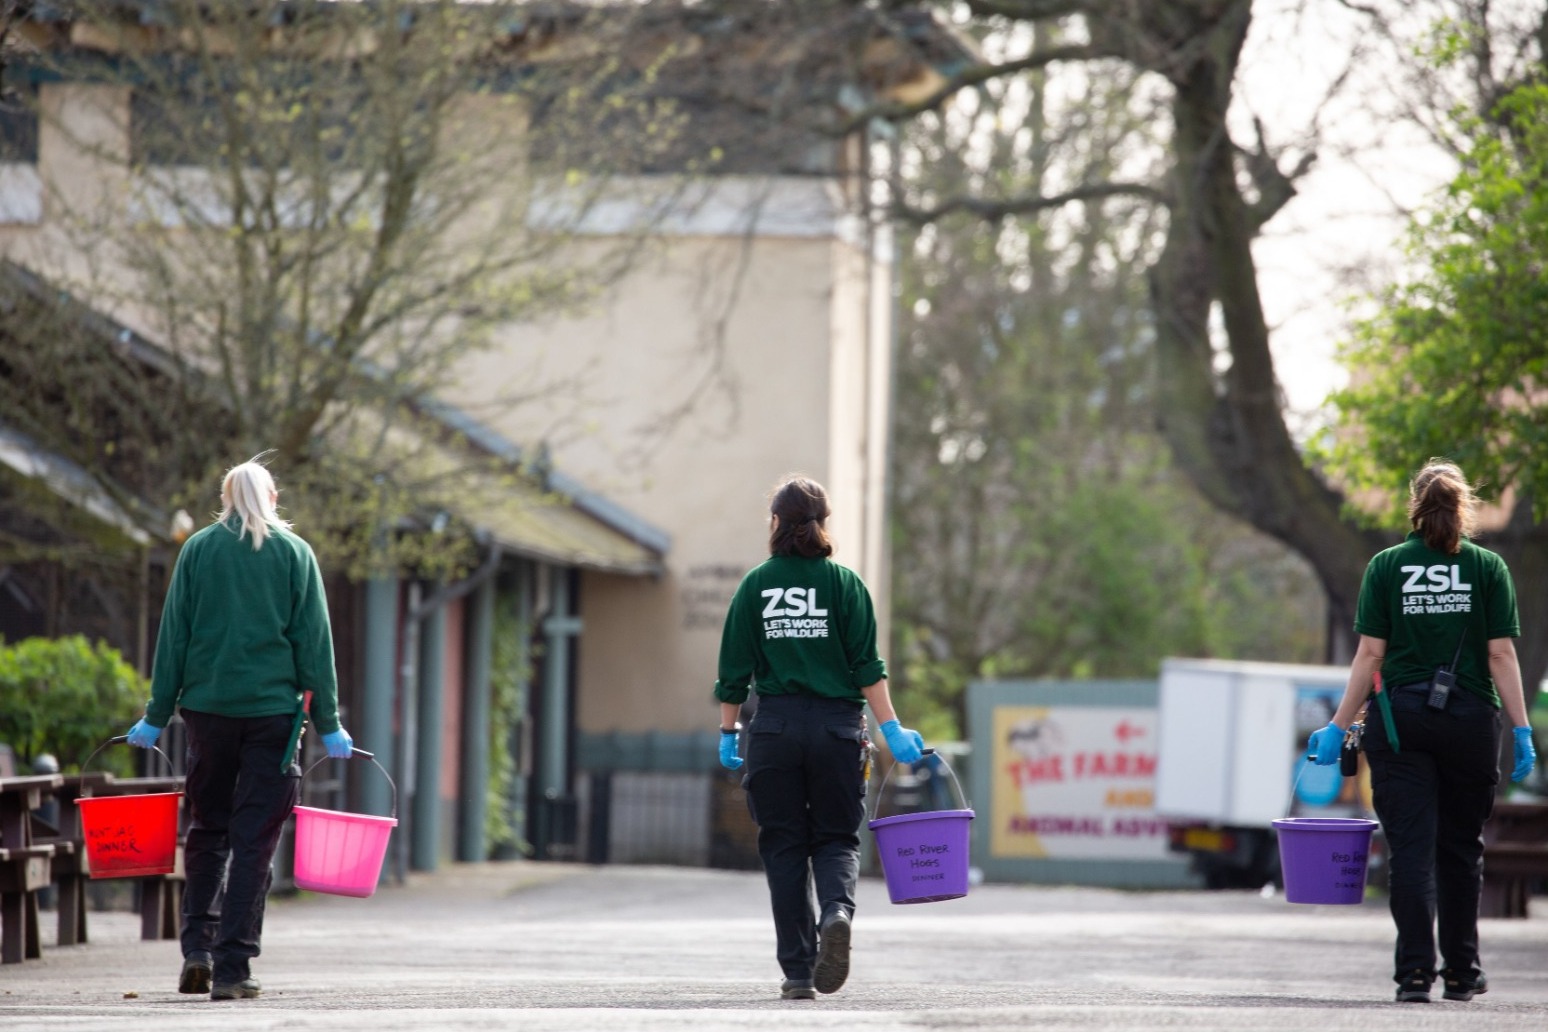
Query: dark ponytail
point(1441, 506)
point(802, 507)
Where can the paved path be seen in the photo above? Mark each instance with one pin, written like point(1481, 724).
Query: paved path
point(560, 948)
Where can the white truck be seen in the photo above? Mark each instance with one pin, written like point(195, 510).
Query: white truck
point(1231, 758)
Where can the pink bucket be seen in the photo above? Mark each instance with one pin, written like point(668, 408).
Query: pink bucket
point(341, 853)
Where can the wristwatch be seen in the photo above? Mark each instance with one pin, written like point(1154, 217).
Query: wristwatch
point(732, 730)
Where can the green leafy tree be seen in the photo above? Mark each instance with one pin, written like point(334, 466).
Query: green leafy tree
point(1455, 362)
point(66, 696)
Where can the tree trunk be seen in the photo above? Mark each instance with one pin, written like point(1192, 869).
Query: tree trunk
point(1226, 427)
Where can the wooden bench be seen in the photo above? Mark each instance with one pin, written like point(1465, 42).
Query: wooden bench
point(24, 871)
point(1515, 858)
point(70, 870)
point(26, 867)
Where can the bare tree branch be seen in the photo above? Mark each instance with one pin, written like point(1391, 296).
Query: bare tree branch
point(895, 111)
point(1275, 187)
point(991, 209)
point(1026, 9)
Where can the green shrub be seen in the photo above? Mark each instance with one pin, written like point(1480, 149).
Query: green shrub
point(66, 696)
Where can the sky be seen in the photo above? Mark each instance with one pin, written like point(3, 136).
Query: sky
point(1340, 238)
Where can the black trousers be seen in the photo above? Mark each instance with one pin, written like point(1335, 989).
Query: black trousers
point(806, 790)
point(1433, 798)
point(238, 800)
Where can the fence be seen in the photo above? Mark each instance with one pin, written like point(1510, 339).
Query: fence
point(658, 798)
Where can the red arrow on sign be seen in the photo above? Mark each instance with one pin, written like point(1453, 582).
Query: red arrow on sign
point(1125, 731)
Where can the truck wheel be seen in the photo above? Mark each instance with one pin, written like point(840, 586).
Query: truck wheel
point(1220, 872)
point(1265, 863)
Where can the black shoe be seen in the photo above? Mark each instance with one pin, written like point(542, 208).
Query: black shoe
point(247, 989)
point(1414, 988)
point(195, 978)
point(797, 989)
point(832, 953)
point(1462, 990)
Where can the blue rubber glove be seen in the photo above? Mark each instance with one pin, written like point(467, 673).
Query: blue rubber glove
point(1526, 753)
point(906, 746)
point(728, 757)
point(339, 744)
point(1323, 745)
point(143, 735)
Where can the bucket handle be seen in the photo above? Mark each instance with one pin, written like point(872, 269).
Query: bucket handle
point(370, 756)
point(881, 789)
point(116, 739)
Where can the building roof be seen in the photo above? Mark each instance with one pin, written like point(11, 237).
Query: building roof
point(65, 479)
point(546, 516)
point(755, 58)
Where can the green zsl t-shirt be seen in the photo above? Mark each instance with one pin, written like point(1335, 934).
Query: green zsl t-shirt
point(1419, 601)
point(799, 626)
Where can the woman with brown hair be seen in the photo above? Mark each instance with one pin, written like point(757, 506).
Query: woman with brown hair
point(1436, 618)
point(801, 632)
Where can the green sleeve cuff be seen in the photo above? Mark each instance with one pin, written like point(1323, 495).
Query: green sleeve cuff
point(868, 673)
point(730, 693)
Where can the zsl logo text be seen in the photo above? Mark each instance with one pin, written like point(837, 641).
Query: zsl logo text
point(798, 602)
point(1439, 579)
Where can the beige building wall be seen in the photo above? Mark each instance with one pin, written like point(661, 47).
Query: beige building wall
point(48, 211)
point(751, 340)
point(723, 362)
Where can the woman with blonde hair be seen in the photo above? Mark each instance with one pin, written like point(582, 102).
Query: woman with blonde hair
point(1436, 618)
point(244, 635)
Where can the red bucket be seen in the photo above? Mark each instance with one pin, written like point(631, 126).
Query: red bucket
point(129, 836)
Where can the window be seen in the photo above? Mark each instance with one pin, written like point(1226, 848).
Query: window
point(19, 125)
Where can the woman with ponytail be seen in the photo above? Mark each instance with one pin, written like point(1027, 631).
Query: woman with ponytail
point(1437, 620)
point(244, 635)
point(801, 632)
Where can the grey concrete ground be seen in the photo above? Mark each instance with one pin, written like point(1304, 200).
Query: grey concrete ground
point(544, 948)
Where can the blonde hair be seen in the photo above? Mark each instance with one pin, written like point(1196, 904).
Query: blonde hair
point(248, 492)
point(1442, 506)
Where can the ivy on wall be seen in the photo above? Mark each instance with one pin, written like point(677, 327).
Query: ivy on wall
point(510, 674)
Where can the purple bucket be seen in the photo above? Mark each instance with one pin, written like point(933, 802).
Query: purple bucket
point(924, 856)
point(1324, 859)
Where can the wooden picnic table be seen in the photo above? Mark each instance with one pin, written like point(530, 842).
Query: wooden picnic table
point(70, 869)
point(1515, 857)
point(26, 866)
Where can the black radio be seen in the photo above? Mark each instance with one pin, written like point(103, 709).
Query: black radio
point(1445, 679)
point(1440, 688)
